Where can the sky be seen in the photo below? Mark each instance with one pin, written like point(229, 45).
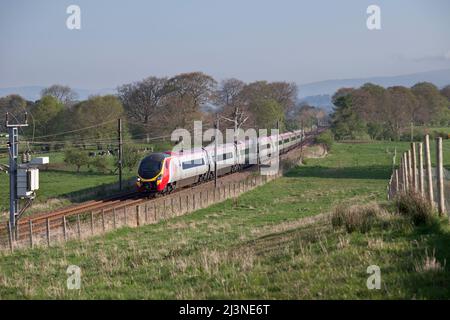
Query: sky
point(275, 40)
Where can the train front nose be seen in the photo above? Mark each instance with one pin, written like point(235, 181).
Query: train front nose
point(145, 185)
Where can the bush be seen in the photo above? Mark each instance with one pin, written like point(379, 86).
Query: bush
point(130, 157)
point(100, 164)
point(442, 134)
point(356, 217)
point(418, 135)
point(415, 207)
point(76, 157)
point(326, 138)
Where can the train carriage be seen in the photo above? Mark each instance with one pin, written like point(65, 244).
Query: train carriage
point(165, 171)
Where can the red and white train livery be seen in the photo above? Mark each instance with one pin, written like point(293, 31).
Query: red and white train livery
point(164, 172)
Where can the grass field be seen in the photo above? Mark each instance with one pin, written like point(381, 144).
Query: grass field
point(261, 246)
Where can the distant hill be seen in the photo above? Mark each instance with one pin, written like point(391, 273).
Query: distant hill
point(33, 93)
point(320, 93)
point(321, 101)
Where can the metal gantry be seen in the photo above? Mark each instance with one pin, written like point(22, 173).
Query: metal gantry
point(13, 150)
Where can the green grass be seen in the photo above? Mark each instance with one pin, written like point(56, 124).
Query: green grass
point(258, 247)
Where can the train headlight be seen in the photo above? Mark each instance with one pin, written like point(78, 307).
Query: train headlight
point(158, 179)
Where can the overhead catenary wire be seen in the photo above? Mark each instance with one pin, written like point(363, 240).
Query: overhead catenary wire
point(76, 130)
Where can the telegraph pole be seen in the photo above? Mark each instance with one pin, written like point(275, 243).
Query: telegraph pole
point(13, 150)
point(120, 164)
point(215, 150)
point(278, 134)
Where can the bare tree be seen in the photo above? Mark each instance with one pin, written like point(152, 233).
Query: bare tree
point(64, 94)
point(285, 94)
point(229, 99)
point(188, 93)
point(143, 101)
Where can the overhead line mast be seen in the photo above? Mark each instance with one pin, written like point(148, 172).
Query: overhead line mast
point(13, 151)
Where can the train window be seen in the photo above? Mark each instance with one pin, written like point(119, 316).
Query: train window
point(224, 156)
point(245, 151)
point(193, 163)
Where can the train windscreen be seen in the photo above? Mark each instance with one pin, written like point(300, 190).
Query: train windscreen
point(151, 165)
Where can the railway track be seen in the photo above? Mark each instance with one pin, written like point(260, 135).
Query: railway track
point(114, 202)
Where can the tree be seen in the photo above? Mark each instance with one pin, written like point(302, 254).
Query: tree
point(63, 94)
point(432, 106)
point(76, 157)
point(446, 92)
point(15, 105)
point(130, 157)
point(229, 99)
point(188, 93)
point(100, 164)
point(326, 139)
point(346, 123)
point(99, 113)
point(307, 115)
point(45, 113)
point(285, 94)
point(267, 112)
point(144, 102)
point(401, 109)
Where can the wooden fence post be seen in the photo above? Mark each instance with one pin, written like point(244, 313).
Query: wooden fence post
point(400, 173)
point(48, 232)
point(31, 233)
point(421, 187)
point(103, 220)
point(410, 172)
point(92, 222)
point(10, 237)
point(64, 228)
point(440, 176)
point(138, 209)
point(414, 166)
point(165, 208)
point(405, 165)
point(78, 226)
point(146, 213)
point(397, 184)
point(429, 173)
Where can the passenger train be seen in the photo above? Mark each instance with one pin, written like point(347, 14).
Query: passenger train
point(163, 172)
